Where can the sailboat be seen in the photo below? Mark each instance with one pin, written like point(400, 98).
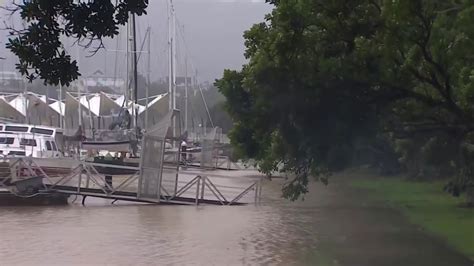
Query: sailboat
point(170, 149)
point(123, 134)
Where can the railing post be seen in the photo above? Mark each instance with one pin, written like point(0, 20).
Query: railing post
point(256, 191)
point(80, 180)
point(108, 182)
point(203, 185)
point(197, 190)
point(176, 176)
point(87, 181)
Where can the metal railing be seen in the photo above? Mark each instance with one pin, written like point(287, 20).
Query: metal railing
point(222, 162)
point(85, 179)
point(200, 183)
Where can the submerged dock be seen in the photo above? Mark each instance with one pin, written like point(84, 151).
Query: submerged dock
point(191, 186)
point(133, 197)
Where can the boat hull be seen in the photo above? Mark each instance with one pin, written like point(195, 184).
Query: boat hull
point(112, 146)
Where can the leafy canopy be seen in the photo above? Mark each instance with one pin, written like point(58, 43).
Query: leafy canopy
point(323, 75)
point(39, 47)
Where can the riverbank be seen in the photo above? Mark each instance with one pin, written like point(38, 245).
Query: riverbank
point(425, 204)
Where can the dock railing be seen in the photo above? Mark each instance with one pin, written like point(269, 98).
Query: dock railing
point(202, 184)
point(87, 180)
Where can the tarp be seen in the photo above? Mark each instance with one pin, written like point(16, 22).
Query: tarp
point(157, 109)
point(100, 109)
point(108, 106)
point(92, 103)
point(100, 104)
point(19, 104)
point(40, 113)
point(71, 118)
point(9, 112)
point(120, 101)
point(59, 107)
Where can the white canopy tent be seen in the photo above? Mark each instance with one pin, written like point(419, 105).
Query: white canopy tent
point(98, 110)
point(40, 113)
point(9, 112)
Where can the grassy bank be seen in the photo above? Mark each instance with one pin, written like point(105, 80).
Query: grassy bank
point(426, 204)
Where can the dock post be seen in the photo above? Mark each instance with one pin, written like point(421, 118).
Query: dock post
point(177, 174)
point(79, 184)
point(108, 182)
point(88, 181)
point(203, 186)
point(256, 191)
point(197, 190)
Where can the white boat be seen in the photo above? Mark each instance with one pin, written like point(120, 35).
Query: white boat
point(28, 140)
point(37, 142)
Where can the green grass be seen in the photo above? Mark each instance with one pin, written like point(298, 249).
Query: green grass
point(427, 205)
point(320, 258)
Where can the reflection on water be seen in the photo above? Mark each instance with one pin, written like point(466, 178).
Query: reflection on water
point(142, 234)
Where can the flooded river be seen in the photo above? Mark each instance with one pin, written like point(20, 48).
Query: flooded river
point(325, 229)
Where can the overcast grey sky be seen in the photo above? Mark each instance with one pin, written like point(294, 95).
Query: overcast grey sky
point(213, 31)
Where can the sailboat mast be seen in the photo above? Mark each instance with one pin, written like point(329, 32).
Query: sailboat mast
point(61, 113)
point(127, 81)
point(25, 90)
point(78, 84)
point(135, 73)
point(186, 93)
point(170, 56)
point(173, 19)
point(148, 77)
point(25, 102)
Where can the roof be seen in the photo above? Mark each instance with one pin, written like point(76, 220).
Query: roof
point(59, 107)
point(9, 111)
point(100, 104)
point(159, 100)
point(103, 105)
point(120, 101)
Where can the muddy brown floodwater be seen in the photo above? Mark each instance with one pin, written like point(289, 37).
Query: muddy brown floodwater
point(333, 226)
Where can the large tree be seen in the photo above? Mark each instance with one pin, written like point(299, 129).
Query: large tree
point(323, 75)
point(39, 46)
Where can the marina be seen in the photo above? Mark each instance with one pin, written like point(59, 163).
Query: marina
point(158, 167)
point(161, 176)
point(237, 132)
point(112, 146)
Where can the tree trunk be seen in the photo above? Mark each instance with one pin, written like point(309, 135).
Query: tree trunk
point(470, 196)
